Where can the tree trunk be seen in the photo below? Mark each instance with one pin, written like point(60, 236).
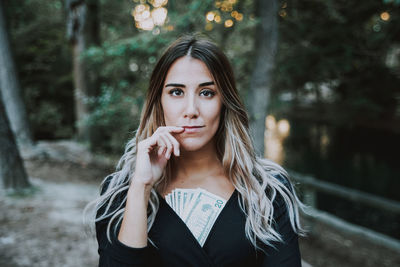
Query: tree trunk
point(83, 29)
point(10, 87)
point(76, 16)
point(92, 35)
point(80, 90)
point(258, 98)
point(12, 170)
point(93, 23)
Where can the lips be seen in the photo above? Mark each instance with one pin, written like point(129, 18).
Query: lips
point(192, 129)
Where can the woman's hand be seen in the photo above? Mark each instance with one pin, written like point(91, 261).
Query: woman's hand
point(153, 153)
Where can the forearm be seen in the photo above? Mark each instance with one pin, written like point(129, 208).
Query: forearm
point(133, 230)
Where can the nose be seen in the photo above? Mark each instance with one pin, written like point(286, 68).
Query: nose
point(191, 108)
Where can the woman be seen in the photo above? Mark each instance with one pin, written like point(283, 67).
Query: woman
point(194, 133)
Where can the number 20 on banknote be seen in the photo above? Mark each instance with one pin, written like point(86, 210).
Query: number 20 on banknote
point(218, 203)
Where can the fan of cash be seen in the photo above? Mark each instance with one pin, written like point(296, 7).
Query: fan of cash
point(198, 208)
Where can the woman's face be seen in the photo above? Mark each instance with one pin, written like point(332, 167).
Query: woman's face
point(190, 98)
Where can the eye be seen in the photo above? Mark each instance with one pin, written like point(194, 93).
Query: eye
point(175, 92)
point(208, 93)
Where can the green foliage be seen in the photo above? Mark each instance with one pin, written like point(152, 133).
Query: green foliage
point(116, 110)
point(395, 2)
point(43, 61)
point(344, 42)
point(341, 43)
point(118, 69)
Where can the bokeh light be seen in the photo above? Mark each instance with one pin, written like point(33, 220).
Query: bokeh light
point(158, 3)
point(283, 127)
point(146, 18)
point(228, 23)
point(274, 136)
point(385, 16)
point(282, 13)
point(210, 16)
point(270, 122)
point(159, 15)
point(224, 9)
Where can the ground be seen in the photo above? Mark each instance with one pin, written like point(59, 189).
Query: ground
point(45, 228)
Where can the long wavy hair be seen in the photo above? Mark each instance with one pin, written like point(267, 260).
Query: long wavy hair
point(253, 177)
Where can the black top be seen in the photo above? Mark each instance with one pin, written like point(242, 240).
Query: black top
point(226, 245)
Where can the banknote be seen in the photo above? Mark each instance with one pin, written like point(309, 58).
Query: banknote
point(190, 203)
point(168, 199)
point(198, 208)
point(187, 197)
point(178, 201)
point(203, 213)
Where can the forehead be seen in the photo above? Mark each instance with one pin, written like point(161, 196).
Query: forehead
point(188, 70)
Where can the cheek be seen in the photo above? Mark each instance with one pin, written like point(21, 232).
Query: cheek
point(169, 112)
point(213, 115)
point(214, 111)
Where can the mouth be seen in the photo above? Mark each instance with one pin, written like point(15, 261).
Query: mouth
point(192, 129)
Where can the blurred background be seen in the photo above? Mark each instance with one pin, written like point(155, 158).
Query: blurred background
point(320, 79)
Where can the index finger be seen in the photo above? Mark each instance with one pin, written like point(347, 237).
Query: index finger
point(174, 129)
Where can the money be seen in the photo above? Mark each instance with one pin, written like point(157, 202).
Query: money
point(198, 209)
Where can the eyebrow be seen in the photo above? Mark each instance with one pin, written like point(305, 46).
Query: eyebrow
point(182, 85)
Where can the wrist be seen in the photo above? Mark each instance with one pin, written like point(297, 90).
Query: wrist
point(139, 191)
point(139, 185)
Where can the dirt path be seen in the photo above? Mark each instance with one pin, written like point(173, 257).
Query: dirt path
point(46, 229)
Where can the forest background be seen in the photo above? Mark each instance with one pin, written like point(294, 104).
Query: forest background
point(350, 48)
point(325, 72)
point(329, 85)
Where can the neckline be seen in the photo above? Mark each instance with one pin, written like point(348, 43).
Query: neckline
point(227, 201)
point(187, 230)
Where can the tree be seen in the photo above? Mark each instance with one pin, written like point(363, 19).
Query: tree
point(10, 87)
point(83, 31)
point(76, 16)
point(12, 171)
point(266, 39)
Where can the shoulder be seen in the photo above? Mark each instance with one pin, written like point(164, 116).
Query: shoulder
point(283, 179)
point(275, 173)
point(280, 190)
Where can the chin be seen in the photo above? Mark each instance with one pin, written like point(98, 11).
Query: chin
point(191, 144)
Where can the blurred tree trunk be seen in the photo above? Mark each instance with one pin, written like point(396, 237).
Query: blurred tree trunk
point(83, 30)
point(266, 40)
point(92, 35)
point(76, 16)
point(12, 170)
point(10, 87)
point(92, 25)
point(92, 38)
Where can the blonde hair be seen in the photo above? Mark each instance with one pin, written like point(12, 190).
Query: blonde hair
point(254, 178)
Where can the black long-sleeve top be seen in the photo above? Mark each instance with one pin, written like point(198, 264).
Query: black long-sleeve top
point(226, 245)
